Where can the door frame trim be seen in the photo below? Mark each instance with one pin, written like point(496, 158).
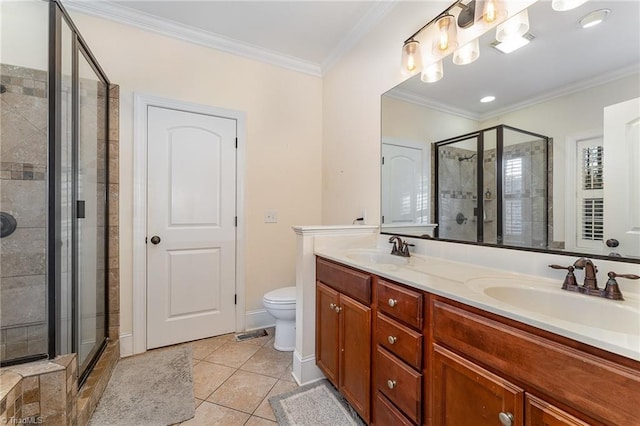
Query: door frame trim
point(141, 102)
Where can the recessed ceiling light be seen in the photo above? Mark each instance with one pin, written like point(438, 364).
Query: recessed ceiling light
point(594, 18)
point(513, 43)
point(488, 99)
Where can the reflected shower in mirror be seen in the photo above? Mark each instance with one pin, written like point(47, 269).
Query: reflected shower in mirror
point(566, 93)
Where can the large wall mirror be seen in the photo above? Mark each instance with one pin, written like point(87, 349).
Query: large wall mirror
point(557, 167)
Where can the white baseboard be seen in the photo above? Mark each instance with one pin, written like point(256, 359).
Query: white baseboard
point(126, 345)
point(257, 319)
point(305, 370)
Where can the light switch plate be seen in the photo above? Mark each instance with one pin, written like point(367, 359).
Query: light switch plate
point(271, 216)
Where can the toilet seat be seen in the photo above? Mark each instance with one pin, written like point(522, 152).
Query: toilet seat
point(281, 296)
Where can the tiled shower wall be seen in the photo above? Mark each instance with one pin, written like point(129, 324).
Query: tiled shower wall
point(23, 189)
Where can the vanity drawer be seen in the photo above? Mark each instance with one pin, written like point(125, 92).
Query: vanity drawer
point(400, 303)
point(388, 414)
point(400, 383)
point(347, 281)
point(400, 340)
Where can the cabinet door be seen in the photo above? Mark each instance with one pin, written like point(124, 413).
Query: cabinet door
point(355, 357)
point(327, 329)
point(541, 413)
point(465, 394)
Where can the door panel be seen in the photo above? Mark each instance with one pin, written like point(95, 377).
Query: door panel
point(191, 208)
point(622, 176)
point(327, 334)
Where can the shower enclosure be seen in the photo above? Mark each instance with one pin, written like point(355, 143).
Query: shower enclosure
point(54, 161)
point(492, 187)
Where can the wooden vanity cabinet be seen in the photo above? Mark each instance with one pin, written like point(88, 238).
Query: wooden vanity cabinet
point(538, 377)
point(343, 331)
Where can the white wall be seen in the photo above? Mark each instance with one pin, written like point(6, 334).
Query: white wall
point(284, 136)
point(24, 26)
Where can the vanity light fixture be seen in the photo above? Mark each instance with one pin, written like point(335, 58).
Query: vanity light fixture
point(411, 57)
point(563, 5)
point(432, 73)
point(514, 27)
point(594, 18)
point(488, 99)
point(467, 53)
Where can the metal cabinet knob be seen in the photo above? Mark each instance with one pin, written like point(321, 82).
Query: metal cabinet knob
point(392, 302)
point(155, 240)
point(337, 309)
point(506, 418)
point(332, 306)
point(392, 339)
point(391, 383)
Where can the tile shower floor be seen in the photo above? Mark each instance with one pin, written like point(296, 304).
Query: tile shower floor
point(233, 381)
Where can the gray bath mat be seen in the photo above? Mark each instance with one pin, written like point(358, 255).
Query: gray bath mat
point(316, 404)
point(152, 389)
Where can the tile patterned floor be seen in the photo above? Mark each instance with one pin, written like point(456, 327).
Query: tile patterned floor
point(233, 381)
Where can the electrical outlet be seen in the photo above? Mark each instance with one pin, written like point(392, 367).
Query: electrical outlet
point(271, 216)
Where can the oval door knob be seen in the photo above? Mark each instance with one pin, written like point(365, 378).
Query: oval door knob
point(155, 240)
point(392, 302)
point(391, 383)
point(392, 339)
point(505, 418)
point(612, 242)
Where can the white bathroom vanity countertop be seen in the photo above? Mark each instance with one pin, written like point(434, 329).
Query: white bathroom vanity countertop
point(606, 324)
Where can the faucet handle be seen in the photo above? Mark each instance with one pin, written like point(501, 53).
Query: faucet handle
point(570, 279)
point(612, 290)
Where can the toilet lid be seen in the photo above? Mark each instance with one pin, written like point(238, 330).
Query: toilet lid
point(281, 295)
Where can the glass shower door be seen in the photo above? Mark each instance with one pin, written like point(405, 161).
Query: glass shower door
point(90, 213)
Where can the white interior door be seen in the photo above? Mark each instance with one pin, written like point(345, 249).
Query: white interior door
point(191, 229)
point(403, 186)
point(622, 176)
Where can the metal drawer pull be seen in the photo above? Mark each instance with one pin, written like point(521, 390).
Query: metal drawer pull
point(392, 339)
point(505, 418)
point(392, 302)
point(391, 383)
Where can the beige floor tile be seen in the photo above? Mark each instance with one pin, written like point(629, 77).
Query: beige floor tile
point(258, 421)
point(198, 402)
point(232, 354)
point(208, 414)
point(243, 391)
point(203, 348)
point(287, 374)
point(268, 361)
point(264, 409)
point(207, 377)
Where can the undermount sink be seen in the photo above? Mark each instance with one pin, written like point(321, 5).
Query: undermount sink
point(376, 256)
point(589, 311)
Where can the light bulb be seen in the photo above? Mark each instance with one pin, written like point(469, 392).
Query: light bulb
point(411, 57)
point(493, 11)
point(447, 38)
point(467, 53)
point(432, 73)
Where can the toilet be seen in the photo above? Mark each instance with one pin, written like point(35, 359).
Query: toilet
point(281, 304)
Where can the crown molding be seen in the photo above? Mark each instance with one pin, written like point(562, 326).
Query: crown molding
point(109, 9)
point(373, 16)
point(124, 15)
point(417, 99)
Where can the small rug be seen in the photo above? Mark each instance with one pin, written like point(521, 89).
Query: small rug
point(315, 404)
point(152, 389)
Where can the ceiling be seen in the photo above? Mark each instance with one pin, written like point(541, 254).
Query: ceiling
point(562, 58)
point(306, 35)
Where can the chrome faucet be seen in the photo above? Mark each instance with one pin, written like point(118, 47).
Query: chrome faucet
point(400, 248)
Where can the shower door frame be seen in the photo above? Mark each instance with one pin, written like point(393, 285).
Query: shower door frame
point(58, 16)
point(479, 134)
